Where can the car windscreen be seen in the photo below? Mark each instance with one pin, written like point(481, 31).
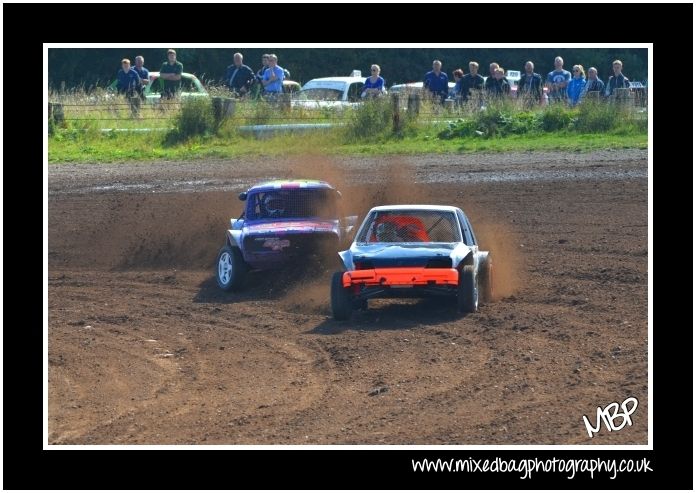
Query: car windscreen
point(410, 226)
point(293, 204)
point(320, 94)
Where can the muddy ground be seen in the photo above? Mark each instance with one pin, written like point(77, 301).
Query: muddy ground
point(144, 348)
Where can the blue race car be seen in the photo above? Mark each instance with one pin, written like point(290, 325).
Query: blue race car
point(282, 221)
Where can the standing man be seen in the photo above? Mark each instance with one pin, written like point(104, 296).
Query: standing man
point(238, 76)
point(273, 78)
point(499, 86)
point(142, 72)
point(170, 73)
point(557, 82)
point(529, 87)
point(472, 80)
point(618, 80)
point(264, 66)
point(127, 80)
point(491, 83)
point(140, 69)
point(594, 83)
point(435, 81)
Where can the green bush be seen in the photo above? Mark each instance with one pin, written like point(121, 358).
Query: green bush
point(596, 116)
point(557, 117)
point(194, 119)
point(370, 120)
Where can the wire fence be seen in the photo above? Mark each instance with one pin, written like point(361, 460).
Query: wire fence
point(110, 110)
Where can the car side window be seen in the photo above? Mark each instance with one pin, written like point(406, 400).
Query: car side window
point(354, 91)
point(467, 232)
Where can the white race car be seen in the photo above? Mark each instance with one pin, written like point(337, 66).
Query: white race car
point(412, 251)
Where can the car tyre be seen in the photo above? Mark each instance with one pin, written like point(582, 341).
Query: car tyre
point(486, 278)
point(230, 269)
point(341, 302)
point(467, 293)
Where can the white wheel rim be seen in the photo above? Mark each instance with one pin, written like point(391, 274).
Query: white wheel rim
point(225, 268)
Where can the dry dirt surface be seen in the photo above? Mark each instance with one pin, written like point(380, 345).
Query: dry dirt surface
point(145, 349)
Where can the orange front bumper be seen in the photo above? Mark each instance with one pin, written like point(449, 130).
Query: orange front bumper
point(400, 276)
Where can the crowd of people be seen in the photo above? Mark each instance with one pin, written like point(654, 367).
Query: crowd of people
point(560, 84)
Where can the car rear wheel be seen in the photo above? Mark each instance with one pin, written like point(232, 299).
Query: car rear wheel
point(231, 269)
point(467, 294)
point(341, 302)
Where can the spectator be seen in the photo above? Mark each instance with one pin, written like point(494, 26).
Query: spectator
point(238, 76)
point(576, 85)
point(490, 80)
point(264, 66)
point(142, 72)
point(557, 81)
point(170, 74)
point(499, 86)
point(374, 84)
point(127, 80)
point(457, 90)
point(273, 78)
point(618, 80)
point(594, 84)
point(436, 82)
point(530, 85)
point(472, 80)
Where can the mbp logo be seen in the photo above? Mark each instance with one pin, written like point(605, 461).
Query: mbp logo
point(609, 414)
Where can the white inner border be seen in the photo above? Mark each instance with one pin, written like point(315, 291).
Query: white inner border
point(47, 446)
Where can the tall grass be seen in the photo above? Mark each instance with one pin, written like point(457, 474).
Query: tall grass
point(503, 118)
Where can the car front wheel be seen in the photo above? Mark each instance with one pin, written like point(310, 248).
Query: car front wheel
point(467, 294)
point(230, 268)
point(341, 302)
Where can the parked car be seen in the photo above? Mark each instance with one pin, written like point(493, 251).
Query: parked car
point(328, 92)
point(191, 87)
point(412, 251)
point(282, 221)
point(412, 87)
point(290, 86)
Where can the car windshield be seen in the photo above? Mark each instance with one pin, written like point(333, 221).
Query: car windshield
point(293, 204)
point(320, 94)
point(410, 226)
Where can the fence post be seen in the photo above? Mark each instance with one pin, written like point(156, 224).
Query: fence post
point(56, 110)
point(222, 108)
point(622, 95)
point(413, 104)
point(134, 105)
point(396, 119)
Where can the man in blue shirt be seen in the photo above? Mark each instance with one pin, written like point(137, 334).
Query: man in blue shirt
point(435, 81)
point(142, 72)
point(557, 81)
point(127, 79)
point(140, 69)
point(273, 78)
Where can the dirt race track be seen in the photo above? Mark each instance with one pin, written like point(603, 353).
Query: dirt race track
point(144, 348)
